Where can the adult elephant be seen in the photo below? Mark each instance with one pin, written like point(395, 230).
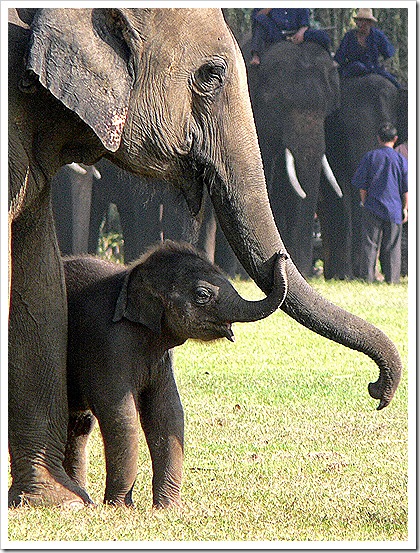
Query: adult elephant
point(292, 91)
point(162, 93)
point(351, 131)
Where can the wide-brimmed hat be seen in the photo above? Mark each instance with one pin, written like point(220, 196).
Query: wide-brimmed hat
point(365, 13)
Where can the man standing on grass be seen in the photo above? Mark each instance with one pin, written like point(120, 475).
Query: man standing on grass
point(382, 181)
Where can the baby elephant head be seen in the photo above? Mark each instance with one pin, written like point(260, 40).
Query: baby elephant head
point(174, 287)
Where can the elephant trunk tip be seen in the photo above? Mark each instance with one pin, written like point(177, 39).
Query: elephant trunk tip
point(384, 388)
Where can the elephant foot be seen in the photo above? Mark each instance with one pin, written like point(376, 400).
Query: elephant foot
point(46, 491)
point(167, 503)
point(119, 499)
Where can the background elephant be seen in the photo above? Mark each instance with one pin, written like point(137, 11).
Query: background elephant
point(148, 210)
point(123, 322)
point(292, 91)
point(351, 131)
point(162, 93)
point(72, 199)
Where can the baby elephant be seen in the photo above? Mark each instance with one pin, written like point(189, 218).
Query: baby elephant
point(123, 322)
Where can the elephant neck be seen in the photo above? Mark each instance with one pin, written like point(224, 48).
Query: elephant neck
point(169, 340)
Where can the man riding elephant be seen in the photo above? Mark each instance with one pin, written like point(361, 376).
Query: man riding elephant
point(274, 24)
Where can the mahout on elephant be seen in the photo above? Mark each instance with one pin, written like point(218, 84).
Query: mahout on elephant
point(275, 24)
point(163, 94)
point(351, 131)
point(123, 323)
point(360, 49)
point(293, 90)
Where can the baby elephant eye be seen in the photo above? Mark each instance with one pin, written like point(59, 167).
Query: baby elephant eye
point(203, 295)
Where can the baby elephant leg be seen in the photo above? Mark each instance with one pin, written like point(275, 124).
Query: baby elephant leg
point(119, 427)
point(80, 426)
point(162, 419)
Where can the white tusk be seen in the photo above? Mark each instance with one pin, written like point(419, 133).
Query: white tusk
point(96, 173)
point(330, 177)
point(77, 168)
point(291, 171)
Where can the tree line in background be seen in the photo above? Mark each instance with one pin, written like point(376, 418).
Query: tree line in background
point(392, 21)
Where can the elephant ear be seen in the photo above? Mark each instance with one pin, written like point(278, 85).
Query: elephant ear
point(82, 57)
point(137, 304)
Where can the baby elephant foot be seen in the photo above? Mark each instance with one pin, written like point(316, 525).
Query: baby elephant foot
point(120, 500)
point(167, 501)
point(167, 505)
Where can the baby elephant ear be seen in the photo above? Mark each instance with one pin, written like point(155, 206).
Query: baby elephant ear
point(82, 59)
point(137, 304)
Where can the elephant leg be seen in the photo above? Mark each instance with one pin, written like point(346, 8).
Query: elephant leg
point(81, 198)
point(75, 459)
point(162, 419)
point(141, 225)
point(37, 368)
point(119, 427)
point(301, 248)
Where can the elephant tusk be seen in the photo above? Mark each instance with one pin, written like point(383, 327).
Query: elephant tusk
point(96, 173)
point(291, 172)
point(330, 176)
point(77, 168)
point(82, 169)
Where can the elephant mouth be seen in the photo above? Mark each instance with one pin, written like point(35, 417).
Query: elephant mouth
point(228, 332)
point(219, 331)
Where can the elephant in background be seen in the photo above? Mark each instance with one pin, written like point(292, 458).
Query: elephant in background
point(149, 210)
point(292, 91)
point(162, 93)
point(72, 198)
point(351, 131)
point(123, 323)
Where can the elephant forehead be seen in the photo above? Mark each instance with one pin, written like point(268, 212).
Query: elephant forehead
point(193, 31)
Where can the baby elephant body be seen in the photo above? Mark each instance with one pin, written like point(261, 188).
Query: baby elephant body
point(123, 323)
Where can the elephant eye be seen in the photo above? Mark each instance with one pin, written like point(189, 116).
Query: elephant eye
point(209, 78)
point(203, 295)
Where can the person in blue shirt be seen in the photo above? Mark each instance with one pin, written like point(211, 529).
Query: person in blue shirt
point(274, 24)
point(359, 51)
point(381, 178)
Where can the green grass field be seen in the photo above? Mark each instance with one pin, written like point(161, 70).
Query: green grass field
point(282, 441)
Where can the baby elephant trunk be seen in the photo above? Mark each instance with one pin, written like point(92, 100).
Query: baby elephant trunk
point(243, 311)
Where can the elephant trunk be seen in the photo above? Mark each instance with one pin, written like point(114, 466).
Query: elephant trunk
point(243, 311)
point(239, 195)
point(243, 211)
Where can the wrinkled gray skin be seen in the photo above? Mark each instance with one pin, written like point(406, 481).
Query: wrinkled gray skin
point(162, 93)
point(351, 131)
point(123, 322)
point(292, 91)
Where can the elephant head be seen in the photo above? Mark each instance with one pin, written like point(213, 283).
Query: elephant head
point(174, 287)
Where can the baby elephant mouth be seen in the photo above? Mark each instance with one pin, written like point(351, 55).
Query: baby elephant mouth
point(228, 332)
point(219, 330)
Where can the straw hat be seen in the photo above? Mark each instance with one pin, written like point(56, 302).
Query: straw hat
point(365, 13)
